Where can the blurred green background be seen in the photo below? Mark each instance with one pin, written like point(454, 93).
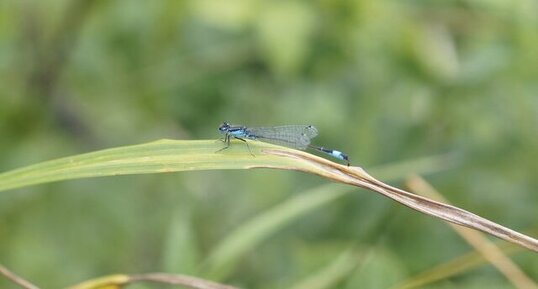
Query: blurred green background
point(384, 81)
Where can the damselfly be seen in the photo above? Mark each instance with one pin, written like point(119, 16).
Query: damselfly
point(293, 136)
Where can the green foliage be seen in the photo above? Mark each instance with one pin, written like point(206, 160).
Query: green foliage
point(384, 81)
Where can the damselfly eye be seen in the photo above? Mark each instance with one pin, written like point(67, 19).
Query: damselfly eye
point(224, 127)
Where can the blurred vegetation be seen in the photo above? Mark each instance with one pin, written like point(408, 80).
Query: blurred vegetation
point(384, 81)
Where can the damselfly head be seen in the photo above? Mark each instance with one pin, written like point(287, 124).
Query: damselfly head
point(224, 127)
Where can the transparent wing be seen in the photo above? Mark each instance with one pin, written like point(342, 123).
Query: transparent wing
point(293, 136)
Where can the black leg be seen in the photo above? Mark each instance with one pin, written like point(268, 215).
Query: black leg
point(226, 140)
point(246, 144)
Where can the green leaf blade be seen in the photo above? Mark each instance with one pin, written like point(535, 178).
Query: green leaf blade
point(154, 157)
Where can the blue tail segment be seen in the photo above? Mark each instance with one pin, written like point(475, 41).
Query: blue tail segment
point(334, 153)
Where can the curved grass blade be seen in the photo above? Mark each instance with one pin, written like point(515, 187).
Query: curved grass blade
point(121, 281)
point(173, 156)
point(479, 242)
point(458, 265)
point(155, 157)
point(220, 261)
point(247, 236)
point(334, 272)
